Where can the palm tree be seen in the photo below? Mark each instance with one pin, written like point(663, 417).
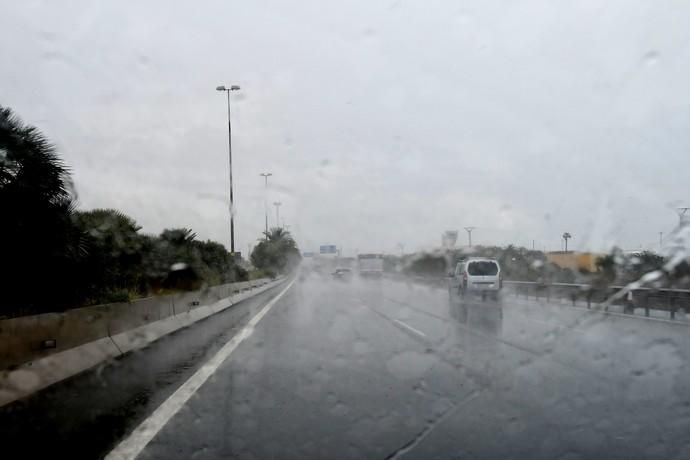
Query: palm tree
point(566, 237)
point(277, 234)
point(112, 250)
point(37, 200)
point(29, 163)
point(178, 236)
point(277, 253)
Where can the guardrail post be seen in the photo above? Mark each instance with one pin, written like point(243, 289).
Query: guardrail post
point(629, 304)
point(573, 296)
point(608, 293)
point(589, 299)
point(672, 307)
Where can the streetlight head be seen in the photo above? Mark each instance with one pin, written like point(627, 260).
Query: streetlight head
point(220, 88)
point(234, 88)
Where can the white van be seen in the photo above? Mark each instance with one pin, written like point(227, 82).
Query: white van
point(477, 275)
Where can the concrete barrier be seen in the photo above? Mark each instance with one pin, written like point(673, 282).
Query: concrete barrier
point(29, 338)
point(143, 335)
point(33, 337)
point(44, 371)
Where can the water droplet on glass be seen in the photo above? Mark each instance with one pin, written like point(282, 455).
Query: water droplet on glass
point(651, 58)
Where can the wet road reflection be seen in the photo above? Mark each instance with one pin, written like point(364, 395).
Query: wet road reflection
point(383, 369)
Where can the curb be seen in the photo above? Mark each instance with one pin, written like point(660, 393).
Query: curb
point(37, 375)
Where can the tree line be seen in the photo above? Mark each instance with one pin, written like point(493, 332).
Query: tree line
point(522, 264)
point(56, 256)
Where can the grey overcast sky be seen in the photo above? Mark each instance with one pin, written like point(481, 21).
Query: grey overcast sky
point(382, 121)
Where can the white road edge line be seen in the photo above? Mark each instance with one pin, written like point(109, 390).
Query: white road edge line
point(410, 328)
point(134, 444)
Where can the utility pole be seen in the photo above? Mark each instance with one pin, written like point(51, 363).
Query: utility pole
point(232, 203)
point(402, 249)
point(277, 205)
point(566, 237)
point(661, 239)
point(681, 214)
point(469, 234)
point(266, 176)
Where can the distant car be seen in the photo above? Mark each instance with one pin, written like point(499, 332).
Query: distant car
point(477, 276)
point(344, 274)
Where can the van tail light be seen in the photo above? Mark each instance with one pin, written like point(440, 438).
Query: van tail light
point(464, 279)
point(500, 282)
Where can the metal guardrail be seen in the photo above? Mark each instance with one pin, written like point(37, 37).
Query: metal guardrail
point(674, 301)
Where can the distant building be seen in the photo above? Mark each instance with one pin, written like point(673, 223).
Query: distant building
point(449, 238)
point(574, 260)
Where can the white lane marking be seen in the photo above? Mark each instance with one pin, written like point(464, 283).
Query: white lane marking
point(410, 328)
point(135, 443)
point(557, 326)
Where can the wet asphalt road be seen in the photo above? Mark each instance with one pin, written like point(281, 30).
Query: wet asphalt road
point(85, 416)
point(387, 370)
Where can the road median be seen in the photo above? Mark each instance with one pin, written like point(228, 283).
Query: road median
point(46, 368)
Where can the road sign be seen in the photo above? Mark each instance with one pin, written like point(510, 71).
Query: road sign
point(328, 249)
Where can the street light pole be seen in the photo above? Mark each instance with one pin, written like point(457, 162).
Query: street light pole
point(566, 237)
point(469, 234)
point(232, 203)
point(266, 176)
point(277, 205)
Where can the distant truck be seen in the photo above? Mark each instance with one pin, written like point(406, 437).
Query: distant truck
point(370, 265)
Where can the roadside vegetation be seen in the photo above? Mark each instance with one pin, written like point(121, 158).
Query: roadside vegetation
point(276, 253)
point(57, 257)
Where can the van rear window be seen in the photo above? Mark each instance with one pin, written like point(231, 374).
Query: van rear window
point(482, 269)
